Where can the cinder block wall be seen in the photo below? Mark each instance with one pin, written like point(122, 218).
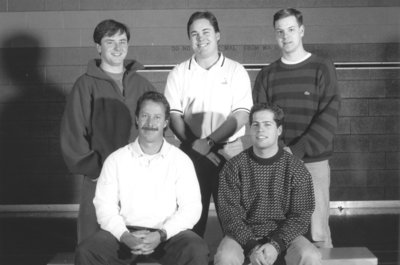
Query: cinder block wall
point(45, 45)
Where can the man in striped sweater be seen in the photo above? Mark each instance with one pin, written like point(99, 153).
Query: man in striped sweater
point(305, 86)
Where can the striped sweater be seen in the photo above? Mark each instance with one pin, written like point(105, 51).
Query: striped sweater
point(308, 94)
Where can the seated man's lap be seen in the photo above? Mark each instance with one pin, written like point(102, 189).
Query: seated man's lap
point(103, 245)
point(186, 244)
point(182, 248)
point(230, 252)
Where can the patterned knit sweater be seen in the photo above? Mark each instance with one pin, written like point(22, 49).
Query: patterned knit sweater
point(265, 199)
point(308, 94)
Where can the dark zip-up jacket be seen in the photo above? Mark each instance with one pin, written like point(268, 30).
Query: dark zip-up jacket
point(99, 118)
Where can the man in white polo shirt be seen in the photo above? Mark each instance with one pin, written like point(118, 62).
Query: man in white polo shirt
point(147, 198)
point(210, 98)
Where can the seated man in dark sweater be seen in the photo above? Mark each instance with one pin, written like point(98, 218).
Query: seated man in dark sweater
point(265, 200)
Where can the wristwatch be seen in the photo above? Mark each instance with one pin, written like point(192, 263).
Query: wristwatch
point(163, 235)
point(210, 141)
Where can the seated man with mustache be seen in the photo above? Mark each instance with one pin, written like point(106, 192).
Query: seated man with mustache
point(147, 198)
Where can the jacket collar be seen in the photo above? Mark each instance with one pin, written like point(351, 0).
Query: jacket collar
point(94, 69)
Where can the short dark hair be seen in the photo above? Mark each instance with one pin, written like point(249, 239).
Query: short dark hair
point(275, 109)
point(108, 28)
point(153, 96)
point(203, 14)
point(287, 12)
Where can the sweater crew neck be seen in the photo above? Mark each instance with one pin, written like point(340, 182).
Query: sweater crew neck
point(265, 161)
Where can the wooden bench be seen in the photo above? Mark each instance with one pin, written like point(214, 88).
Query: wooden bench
point(348, 256)
point(67, 258)
point(330, 256)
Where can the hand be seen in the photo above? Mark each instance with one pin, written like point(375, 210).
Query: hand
point(232, 149)
point(213, 158)
point(269, 252)
point(201, 146)
point(287, 149)
point(133, 242)
point(149, 242)
point(257, 257)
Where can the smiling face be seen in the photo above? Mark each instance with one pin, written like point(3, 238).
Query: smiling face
point(151, 122)
point(264, 133)
point(289, 35)
point(204, 39)
point(113, 50)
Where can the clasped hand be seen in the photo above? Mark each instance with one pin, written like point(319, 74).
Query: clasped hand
point(142, 242)
point(264, 255)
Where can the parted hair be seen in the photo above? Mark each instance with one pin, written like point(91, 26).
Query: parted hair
point(287, 12)
point(107, 28)
point(275, 109)
point(202, 14)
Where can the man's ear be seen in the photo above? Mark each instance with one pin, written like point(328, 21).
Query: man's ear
point(218, 36)
point(302, 30)
point(98, 48)
point(280, 130)
point(136, 123)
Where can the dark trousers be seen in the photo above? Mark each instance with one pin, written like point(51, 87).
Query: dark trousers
point(185, 248)
point(207, 175)
point(87, 221)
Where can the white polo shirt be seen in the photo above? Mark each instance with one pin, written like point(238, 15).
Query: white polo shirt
point(206, 98)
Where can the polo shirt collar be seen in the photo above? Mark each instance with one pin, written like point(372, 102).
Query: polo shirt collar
point(194, 65)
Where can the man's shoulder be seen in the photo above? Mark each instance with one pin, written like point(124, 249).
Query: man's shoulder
point(118, 153)
point(174, 152)
point(237, 160)
point(229, 64)
point(293, 162)
point(270, 67)
point(321, 59)
point(291, 158)
point(185, 65)
point(229, 61)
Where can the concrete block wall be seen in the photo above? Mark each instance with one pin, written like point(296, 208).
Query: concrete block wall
point(45, 45)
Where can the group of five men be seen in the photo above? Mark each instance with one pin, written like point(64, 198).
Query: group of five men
point(144, 196)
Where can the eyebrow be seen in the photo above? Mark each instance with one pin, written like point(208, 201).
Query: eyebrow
point(262, 121)
point(204, 29)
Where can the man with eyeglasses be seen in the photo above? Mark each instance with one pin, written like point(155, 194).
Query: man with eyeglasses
point(305, 86)
point(99, 114)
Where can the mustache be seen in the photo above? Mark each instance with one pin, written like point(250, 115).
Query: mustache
point(149, 128)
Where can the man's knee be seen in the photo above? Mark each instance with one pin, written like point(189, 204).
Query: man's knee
point(229, 252)
point(302, 252)
point(227, 258)
point(194, 247)
point(197, 244)
point(310, 256)
point(83, 253)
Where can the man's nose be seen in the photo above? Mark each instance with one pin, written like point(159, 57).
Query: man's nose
point(117, 46)
point(151, 121)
